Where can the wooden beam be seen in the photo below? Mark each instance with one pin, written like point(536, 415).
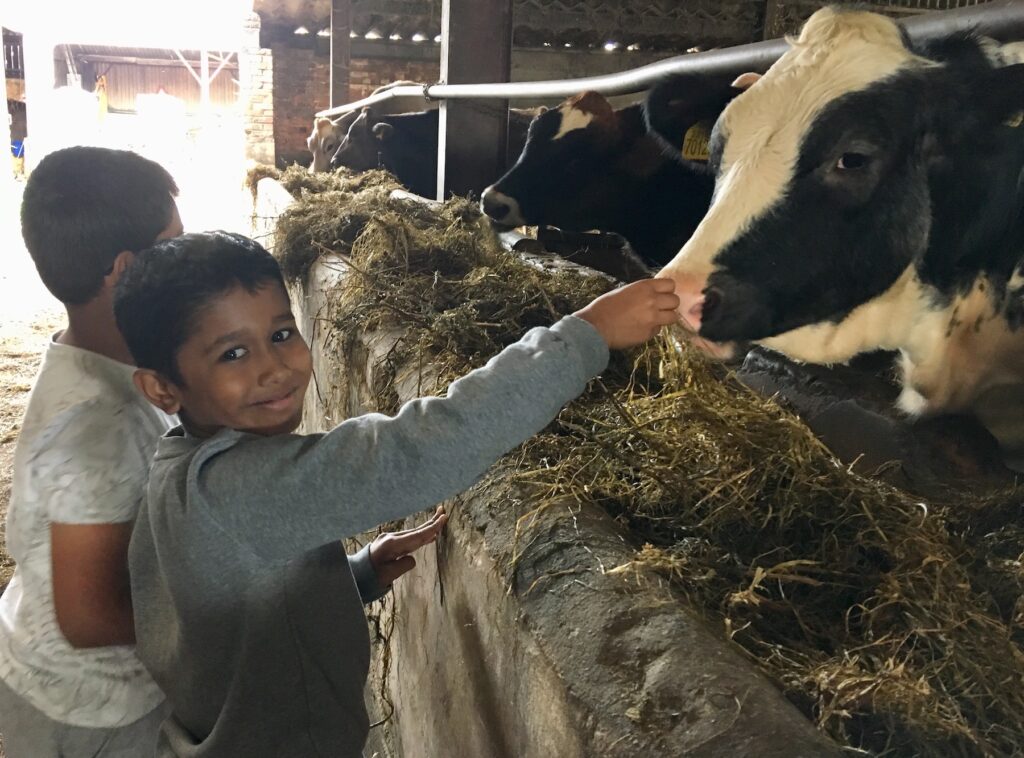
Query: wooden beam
point(188, 67)
point(341, 50)
point(772, 19)
point(476, 46)
point(204, 83)
point(134, 61)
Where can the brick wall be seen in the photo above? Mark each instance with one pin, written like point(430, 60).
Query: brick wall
point(366, 74)
point(256, 86)
point(302, 87)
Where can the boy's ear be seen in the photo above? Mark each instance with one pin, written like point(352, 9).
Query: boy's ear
point(121, 263)
point(158, 390)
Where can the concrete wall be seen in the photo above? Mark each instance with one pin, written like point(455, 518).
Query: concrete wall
point(547, 655)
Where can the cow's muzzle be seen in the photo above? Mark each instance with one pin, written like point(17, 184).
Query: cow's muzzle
point(700, 305)
point(501, 208)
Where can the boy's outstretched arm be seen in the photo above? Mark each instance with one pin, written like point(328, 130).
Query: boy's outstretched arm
point(310, 490)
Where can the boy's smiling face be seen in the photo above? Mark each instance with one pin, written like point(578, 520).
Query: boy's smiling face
point(245, 365)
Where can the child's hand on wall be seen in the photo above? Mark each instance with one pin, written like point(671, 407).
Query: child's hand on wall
point(391, 553)
point(633, 314)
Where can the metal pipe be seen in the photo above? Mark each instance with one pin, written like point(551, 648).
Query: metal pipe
point(1002, 20)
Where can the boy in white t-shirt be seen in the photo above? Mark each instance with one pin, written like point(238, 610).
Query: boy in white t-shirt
point(70, 682)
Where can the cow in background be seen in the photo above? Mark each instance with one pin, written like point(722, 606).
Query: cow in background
point(325, 139)
point(406, 145)
point(587, 166)
point(327, 134)
point(869, 196)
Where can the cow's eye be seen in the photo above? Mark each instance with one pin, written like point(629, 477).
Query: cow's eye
point(852, 161)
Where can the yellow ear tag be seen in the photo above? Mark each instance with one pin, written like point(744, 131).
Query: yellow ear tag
point(695, 143)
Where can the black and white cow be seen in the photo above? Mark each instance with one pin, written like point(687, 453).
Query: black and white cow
point(406, 145)
point(587, 166)
point(869, 196)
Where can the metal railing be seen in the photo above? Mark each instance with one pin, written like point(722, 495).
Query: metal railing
point(1002, 20)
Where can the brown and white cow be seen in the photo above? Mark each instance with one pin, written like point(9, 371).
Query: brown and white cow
point(869, 195)
point(325, 138)
point(588, 166)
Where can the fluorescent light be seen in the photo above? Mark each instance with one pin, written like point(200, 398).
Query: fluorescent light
point(373, 34)
point(417, 37)
point(325, 32)
point(395, 37)
point(302, 30)
point(611, 47)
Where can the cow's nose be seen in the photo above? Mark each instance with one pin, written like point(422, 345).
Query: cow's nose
point(711, 303)
point(502, 208)
point(493, 207)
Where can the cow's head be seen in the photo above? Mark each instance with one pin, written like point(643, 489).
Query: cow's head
point(560, 178)
point(361, 148)
point(325, 139)
point(828, 172)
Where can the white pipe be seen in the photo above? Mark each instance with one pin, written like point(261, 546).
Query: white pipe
point(1001, 19)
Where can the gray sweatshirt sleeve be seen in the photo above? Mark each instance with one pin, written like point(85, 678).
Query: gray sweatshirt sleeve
point(369, 586)
point(287, 494)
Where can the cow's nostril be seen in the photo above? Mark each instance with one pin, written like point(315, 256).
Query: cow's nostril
point(712, 302)
point(495, 209)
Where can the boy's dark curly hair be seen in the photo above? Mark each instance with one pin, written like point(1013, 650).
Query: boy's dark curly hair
point(159, 298)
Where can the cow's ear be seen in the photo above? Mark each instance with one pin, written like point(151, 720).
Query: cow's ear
point(383, 131)
point(746, 81)
point(323, 126)
point(542, 109)
point(682, 101)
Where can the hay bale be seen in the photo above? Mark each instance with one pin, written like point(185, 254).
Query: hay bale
point(894, 623)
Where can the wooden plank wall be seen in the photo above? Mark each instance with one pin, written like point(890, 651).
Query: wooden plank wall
point(125, 81)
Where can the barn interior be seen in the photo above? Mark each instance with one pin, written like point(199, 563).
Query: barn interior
point(764, 557)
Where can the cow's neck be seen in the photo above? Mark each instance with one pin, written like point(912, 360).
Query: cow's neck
point(953, 350)
point(962, 351)
point(663, 201)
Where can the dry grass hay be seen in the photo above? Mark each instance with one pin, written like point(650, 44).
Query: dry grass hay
point(895, 624)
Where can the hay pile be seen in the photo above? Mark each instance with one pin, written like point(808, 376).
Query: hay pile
point(894, 624)
point(333, 210)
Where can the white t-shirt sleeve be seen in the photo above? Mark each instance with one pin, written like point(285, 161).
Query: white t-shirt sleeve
point(91, 463)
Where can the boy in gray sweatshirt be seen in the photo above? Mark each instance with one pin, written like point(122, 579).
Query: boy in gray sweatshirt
point(247, 612)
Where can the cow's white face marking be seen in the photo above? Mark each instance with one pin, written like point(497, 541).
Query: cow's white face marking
point(837, 53)
point(572, 119)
